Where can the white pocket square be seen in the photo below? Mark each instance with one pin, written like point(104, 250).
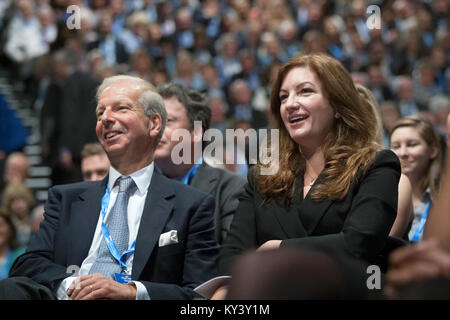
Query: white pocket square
point(167, 238)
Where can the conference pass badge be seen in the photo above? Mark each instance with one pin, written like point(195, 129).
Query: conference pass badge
point(122, 277)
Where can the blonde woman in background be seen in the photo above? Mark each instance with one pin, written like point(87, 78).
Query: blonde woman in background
point(417, 145)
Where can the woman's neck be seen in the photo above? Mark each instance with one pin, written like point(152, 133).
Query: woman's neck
point(314, 161)
point(416, 184)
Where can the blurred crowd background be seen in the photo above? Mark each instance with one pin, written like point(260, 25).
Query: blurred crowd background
point(230, 49)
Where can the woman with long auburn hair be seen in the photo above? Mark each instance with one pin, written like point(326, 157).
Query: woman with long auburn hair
point(335, 188)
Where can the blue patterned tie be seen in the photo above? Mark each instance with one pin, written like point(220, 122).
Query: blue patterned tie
point(117, 224)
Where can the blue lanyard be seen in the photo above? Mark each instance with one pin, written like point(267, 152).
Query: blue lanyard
point(192, 172)
point(421, 224)
point(120, 258)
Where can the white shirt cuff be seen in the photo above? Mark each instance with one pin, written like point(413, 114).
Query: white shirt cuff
point(141, 291)
point(61, 293)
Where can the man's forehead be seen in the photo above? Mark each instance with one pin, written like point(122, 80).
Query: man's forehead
point(127, 88)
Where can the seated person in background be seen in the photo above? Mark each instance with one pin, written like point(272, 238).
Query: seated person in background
point(422, 270)
point(405, 211)
point(94, 162)
point(134, 234)
point(417, 145)
point(184, 106)
point(10, 248)
point(335, 190)
point(18, 201)
point(16, 168)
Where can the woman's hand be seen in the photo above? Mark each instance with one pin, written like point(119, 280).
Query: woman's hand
point(271, 244)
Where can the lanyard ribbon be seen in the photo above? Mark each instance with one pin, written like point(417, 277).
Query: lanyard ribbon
point(192, 172)
point(421, 224)
point(120, 258)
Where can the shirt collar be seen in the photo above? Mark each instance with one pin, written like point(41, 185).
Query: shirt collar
point(141, 178)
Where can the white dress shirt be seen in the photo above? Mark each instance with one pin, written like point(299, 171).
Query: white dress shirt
point(135, 208)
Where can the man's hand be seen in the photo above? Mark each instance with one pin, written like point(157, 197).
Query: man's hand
point(97, 286)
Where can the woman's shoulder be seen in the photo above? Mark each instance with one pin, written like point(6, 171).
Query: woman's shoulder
point(386, 157)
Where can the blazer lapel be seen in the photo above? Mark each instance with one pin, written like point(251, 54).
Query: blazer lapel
point(311, 211)
point(205, 178)
point(83, 221)
point(157, 209)
point(288, 217)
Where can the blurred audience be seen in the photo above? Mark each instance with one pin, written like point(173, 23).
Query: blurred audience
point(18, 201)
point(17, 168)
point(212, 45)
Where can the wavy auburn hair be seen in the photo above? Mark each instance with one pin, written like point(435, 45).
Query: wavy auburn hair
point(351, 144)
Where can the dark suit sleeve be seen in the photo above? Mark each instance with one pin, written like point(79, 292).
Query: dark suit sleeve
point(373, 211)
point(37, 263)
point(199, 257)
point(229, 201)
point(242, 235)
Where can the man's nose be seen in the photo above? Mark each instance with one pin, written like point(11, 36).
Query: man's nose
point(107, 117)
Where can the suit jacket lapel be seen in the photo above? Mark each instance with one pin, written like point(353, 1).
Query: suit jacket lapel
point(204, 178)
point(156, 212)
point(83, 221)
point(311, 211)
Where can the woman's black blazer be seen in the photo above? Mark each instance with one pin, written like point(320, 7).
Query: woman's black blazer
point(357, 225)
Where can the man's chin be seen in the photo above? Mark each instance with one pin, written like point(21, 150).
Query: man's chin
point(114, 150)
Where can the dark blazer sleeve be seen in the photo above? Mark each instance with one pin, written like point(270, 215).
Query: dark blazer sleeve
point(38, 261)
point(372, 212)
point(242, 235)
point(227, 196)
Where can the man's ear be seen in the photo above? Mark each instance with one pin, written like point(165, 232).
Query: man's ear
point(155, 125)
point(197, 133)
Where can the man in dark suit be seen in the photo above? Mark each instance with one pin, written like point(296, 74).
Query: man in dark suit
point(168, 247)
point(67, 109)
point(184, 107)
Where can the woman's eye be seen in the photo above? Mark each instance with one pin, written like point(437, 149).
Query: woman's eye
point(306, 90)
point(283, 97)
